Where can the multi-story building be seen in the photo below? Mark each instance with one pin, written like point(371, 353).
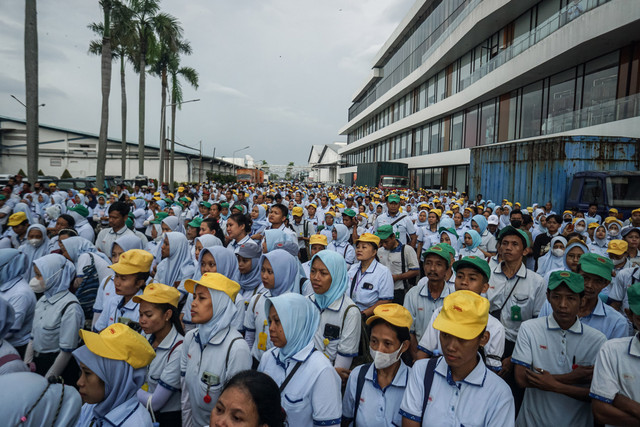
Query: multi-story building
point(457, 74)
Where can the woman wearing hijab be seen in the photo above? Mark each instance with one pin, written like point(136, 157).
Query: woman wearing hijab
point(599, 243)
point(172, 223)
point(260, 221)
point(449, 236)
point(340, 244)
point(250, 280)
point(10, 360)
point(505, 218)
point(58, 318)
point(176, 264)
point(84, 254)
point(553, 260)
point(470, 244)
point(140, 213)
point(214, 351)
point(204, 241)
point(37, 246)
point(338, 334)
point(488, 241)
point(16, 291)
point(112, 370)
point(272, 238)
point(580, 227)
point(309, 385)
point(80, 213)
point(279, 273)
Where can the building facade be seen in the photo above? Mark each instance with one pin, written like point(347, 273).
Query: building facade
point(458, 74)
point(324, 161)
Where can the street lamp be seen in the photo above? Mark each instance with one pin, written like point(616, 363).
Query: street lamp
point(233, 158)
point(22, 103)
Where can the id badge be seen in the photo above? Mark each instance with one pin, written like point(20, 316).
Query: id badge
point(516, 313)
point(262, 341)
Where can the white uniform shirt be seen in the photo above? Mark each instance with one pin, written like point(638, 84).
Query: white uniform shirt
point(107, 236)
point(255, 322)
point(620, 283)
point(86, 231)
point(375, 284)
point(402, 228)
point(529, 294)
point(393, 261)
point(482, 398)
point(312, 396)
point(488, 243)
point(421, 305)
point(106, 291)
point(164, 369)
point(345, 250)
point(340, 325)
point(378, 407)
point(23, 301)
point(54, 330)
point(217, 361)
point(16, 365)
point(543, 344)
point(129, 414)
point(113, 312)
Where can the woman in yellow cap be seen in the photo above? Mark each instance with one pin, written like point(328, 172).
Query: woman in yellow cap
point(111, 372)
point(160, 321)
point(374, 390)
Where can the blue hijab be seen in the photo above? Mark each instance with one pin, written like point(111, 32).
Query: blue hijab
point(224, 312)
point(7, 317)
point(424, 223)
point(299, 319)
point(23, 207)
point(173, 222)
point(76, 246)
point(339, 278)
point(261, 222)
point(342, 234)
point(179, 264)
point(226, 262)
point(127, 242)
point(252, 279)
point(570, 246)
point(285, 270)
point(57, 273)
point(273, 237)
point(32, 253)
point(481, 221)
point(475, 237)
point(13, 265)
point(121, 381)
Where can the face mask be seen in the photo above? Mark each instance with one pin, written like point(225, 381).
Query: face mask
point(613, 233)
point(558, 252)
point(580, 229)
point(516, 223)
point(617, 262)
point(384, 360)
point(36, 285)
point(35, 242)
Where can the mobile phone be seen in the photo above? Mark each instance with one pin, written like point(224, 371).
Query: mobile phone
point(331, 331)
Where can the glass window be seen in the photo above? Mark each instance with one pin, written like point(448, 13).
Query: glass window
point(441, 88)
point(434, 142)
point(456, 131)
point(487, 123)
point(403, 147)
point(471, 127)
point(465, 70)
point(599, 93)
point(561, 101)
point(422, 97)
point(548, 18)
point(418, 142)
point(426, 134)
point(460, 182)
point(437, 178)
point(427, 178)
point(431, 91)
point(531, 110)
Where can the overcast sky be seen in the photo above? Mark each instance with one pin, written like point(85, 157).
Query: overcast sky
point(277, 75)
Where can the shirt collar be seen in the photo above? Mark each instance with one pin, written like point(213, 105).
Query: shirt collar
point(576, 328)
point(522, 271)
point(398, 248)
point(57, 297)
point(118, 415)
point(425, 292)
point(476, 377)
point(334, 306)
point(169, 340)
point(634, 345)
point(119, 232)
point(399, 380)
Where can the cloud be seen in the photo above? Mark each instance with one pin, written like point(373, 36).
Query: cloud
point(224, 90)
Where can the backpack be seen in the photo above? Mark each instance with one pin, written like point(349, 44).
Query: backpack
point(88, 289)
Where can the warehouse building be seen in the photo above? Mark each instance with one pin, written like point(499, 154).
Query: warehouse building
point(459, 74)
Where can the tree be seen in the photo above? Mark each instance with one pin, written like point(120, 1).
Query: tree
point(31, 84)
point(66, 174)
point(288, 174)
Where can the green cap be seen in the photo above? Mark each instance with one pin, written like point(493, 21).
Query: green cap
point(129, 223)
point(320, 228)
point(449, 230)
point(2, 197)
point(596, 264)
point(159, 217)
point(384, 232)
point(349, 212)
point(440, 251)
point(184, 199)
point(80, 210)
point(512, 231)
point(633, 292)
point(224, 205)
point(474, 262)
point(238, 207)
point(393, 198)
point(447, 247)
point(168, 200)
point(195, 222)
point(205, 204)
point(574, 281)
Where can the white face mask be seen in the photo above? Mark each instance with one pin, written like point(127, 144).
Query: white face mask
point(558, 252)
point(580, 229)
point(36, 285)
point(617, 262)
point(35, 242)
point(384, 360)
point(613, 233)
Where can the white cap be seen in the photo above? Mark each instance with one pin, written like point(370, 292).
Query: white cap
point(493, 220)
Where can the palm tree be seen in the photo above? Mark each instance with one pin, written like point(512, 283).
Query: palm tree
point(190, 75)
point(123, 41)
point(31, 84)
point(105, 73)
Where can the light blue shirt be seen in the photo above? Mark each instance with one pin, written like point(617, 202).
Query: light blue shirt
point(603, 318)
point(482, 398)
point(129, 414)
point(421, 305)
point(113, 311)
point(312, 396)
point(402, 228)
point(378, 407)
point(375, 284)
point(164, 369)
point(23, 300)
point(54, 330)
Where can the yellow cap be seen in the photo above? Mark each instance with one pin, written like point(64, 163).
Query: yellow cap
point(613, 210)
point(180, 189)
point(635, 211)
point(395, 314)
point(567, 213)
point(215, 281)
point(157, 193)
point(94, 189)
point(340, 205)
point(593, 225)
point(437, 212)
point(332, 213)
point(52, 184)
point(120, 342)
point(157, 198)
point(464, 315)
point(132, 197)
point(17, 219)
point(158, 293)
point(297, 211)
point(318, 239)
point(171, 195)
point(82, 192)
point(133, 261)
point(617, 247)
point(368, 237)
point(362, 214)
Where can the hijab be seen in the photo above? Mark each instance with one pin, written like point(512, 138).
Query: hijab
point(424, 223)
point(13, 265)
point(79, 219)
point(342, 234)
point(179, 264)
point(41, 206)
point(604, 243)
point(549, 262)
point(127, 242)
point(505, 218)
point(208, 240)
point(273, 237)
point(7, 317)
point(252, 279)
point(570, 246)
point(121, 381)
point(224, 312)
point(32, 253)
point(339, 278)
point(475, 237)
point(76, 246)
point(452, 237)
point(285, 270)
point(57, 273)
point(299, 319)
point(140, 203)
point(226, 262)
point(481, 221)
point(261, 222)
point(173, 222)
point(23, 207)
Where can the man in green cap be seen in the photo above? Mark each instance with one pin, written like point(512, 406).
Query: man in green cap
point(553, 358)
point(596, 272)
point(402, 225)
point(193, 230)
point(80, 213)
point(349, 220)
point(428, 295)
point(615, 388)
point(204, 208)
point(400, 259)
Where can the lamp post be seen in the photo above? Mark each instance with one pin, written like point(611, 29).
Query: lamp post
point(233, 158)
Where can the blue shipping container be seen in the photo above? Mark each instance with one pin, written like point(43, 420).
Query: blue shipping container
point(541, 170)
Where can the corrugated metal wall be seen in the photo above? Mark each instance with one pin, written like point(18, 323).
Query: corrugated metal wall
point(541, 170)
